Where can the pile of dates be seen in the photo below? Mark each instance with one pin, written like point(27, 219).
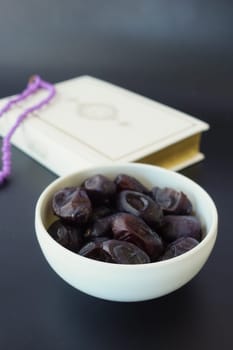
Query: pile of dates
point(121, 221)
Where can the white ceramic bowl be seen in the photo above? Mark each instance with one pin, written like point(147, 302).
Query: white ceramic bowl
point(128, 282)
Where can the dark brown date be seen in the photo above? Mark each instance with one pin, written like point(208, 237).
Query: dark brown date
point(72, 204)
point(125, 182)
point(125, 252)
point(115, 251)
point(127, 227)
point(178, 247)
point(94, 250)
point(140, 205)
point(99, 188)
point(177, 226)
point(68, 236)
point(100, 227)
point(171, 201)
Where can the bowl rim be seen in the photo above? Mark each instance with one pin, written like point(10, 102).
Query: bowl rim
point(48, 190)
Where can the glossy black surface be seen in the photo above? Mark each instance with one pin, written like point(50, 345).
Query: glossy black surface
point(179, 53)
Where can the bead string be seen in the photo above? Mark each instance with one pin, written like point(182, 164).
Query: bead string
point(34, 84)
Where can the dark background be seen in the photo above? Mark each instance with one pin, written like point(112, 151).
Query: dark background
point(177, 52)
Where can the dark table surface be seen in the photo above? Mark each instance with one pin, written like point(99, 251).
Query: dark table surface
point(40, 311)
point(177, 52)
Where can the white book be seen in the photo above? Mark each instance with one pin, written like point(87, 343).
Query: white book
point(91, 121)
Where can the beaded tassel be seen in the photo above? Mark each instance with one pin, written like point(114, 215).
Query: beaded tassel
point(34, 84)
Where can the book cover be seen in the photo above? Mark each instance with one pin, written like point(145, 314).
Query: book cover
point(91, 121)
